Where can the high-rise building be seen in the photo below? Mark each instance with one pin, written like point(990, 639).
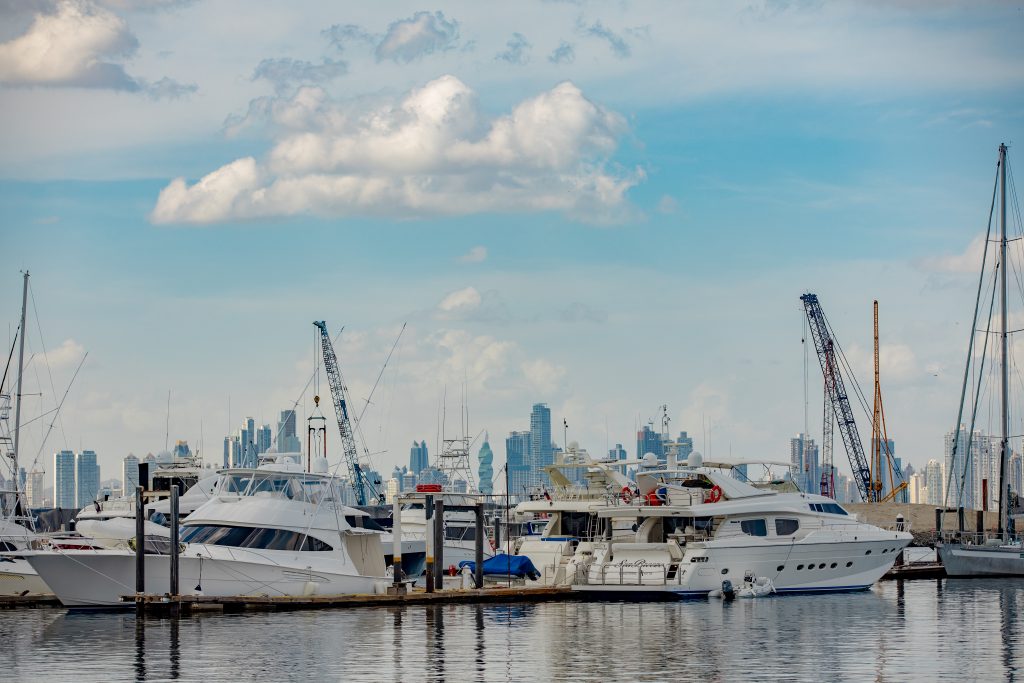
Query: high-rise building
point(740, 472)
point(264, 439)
point(287, 437)
point(64, 479)
point(1015, 474)
point(419, 458)
point(486, 471)
point(617, 453)
point(541, 454)
point(649, 441)
point(804, 465)
point(130, 474)
point(34, 488)
point(935, 483)
point(966, 471)
point(916, 488)
point(87, 478)
point(517, 459)
point(181, 450)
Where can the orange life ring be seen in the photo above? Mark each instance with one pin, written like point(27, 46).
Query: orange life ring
point(626, 494)
point(714, 495)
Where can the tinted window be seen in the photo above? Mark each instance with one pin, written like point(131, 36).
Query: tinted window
point(453, 533)
point(834, 509)
point(358, 522)
point(245, 537)
point(754, 527)
point(786, 527)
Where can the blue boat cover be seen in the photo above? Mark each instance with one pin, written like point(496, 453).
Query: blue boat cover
point(505, 565)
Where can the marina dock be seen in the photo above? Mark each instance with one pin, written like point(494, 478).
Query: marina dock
point(184, 604)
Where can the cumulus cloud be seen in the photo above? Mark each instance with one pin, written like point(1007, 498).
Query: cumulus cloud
point(516, 50)
point(460, 300)
point(968, 261)
point(77, 43)
point(474, 255)
point(67, 355)
point(70, 46)
point(544, 376)
point(433, 152)
point(285, 72)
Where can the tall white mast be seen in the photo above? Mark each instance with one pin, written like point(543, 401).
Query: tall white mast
point(1004, 446)
point(21, 367)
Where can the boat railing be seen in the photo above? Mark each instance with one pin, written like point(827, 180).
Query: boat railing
point(624, 574)
point(982, 538)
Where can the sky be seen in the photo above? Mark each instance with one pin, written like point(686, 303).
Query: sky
point(603, 206)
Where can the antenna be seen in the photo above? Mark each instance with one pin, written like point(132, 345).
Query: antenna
point(167, 425)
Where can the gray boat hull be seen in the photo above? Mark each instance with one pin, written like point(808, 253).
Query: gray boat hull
point(976, 560)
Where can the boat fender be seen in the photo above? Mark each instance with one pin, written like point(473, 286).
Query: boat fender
point(626, 494)
point(452, 570)
point(714, 495)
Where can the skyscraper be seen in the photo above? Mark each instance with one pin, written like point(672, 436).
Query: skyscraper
point(517, 459)
point(935, 483)
point(649, 441)
point(287, 438)
point(486, 471)
point(64, 479)
point(130, 474)
point(181, 450)
point(965, 485)
point(803, 463)
point(87, 478)
point(541, 454)
point(264, 439)
point(34, 488)
point(617, 453)
point(419, 458)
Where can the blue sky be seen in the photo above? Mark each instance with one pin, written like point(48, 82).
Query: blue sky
point(627, 228)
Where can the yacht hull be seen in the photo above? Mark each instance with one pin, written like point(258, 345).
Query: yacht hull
point(17, 577)
point(971, 560)
point(101, 578)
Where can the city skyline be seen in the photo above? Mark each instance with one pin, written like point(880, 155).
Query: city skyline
point(655, 198)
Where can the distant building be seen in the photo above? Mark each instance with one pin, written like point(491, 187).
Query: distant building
point(419, 458)
point(1015, 474)
point(130, 474)
point(517, 458)
point(264, 439)
point(392, 489)
point(486, 471)
point(649, 441)
point(34, 488)
point(87, 478)
point(916, 488)
point(287, 437)
point(64, 479)
point(934, 483)
point(804, 465)
point(740, 472)
point(181, 450)
point(617, 453)
point(541, 454)
point(971, 463)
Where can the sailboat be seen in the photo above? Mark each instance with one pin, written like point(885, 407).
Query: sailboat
point(980, 555)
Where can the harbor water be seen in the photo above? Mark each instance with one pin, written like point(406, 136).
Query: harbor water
point(948, 630)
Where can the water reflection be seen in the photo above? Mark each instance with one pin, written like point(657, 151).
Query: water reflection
point(899, 631)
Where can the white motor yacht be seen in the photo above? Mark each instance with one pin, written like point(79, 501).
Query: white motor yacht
point(17, 577)
point(459, 525)
point(275, 530)
point(683, 532)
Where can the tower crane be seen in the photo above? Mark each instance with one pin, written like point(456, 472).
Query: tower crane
point(348, 441)
point(835, 390)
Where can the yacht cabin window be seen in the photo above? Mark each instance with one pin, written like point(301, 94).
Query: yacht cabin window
point(828, 508)
point(786, 527)
point(754, 527)
point(247, 537)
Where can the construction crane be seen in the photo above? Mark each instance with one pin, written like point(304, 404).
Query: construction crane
point(835, 390)
point(348, 441)
point(881, 452)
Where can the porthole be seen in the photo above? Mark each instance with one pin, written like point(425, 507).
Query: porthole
point(799, 567)
point(821, 566)
point(885, 550)
point(780, 567)
point(810, 566)
point(868, 552)
point(832, 566)
point(849, 564)
point(725, 571)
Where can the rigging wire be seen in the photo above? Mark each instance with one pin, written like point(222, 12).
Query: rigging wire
point(49, 371)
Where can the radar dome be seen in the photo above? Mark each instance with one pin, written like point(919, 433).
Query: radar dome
point(650, 460)
point(696, 459)
point(320, 465)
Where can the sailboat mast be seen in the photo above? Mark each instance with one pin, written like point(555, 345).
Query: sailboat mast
point(21, 367)
point(1004, 447)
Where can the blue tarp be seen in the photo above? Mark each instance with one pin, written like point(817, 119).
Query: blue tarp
point(505, 565)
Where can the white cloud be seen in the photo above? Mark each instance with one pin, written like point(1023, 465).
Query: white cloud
point(969, 261)
point(67, 355)
point(543, 376)
point(421, 34)
point(70, 47)
point(460, 300)
point(474, 255)
point(431, 153)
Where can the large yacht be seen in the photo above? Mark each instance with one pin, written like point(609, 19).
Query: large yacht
point(459, 526)
point(275, 530)
point(683, 532)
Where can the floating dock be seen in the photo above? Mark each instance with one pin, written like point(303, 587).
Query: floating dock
point(916, 570)
point(13, 601)
point(183, 604)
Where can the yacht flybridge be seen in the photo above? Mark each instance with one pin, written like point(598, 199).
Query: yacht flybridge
point(683, 532)
point(275, 530)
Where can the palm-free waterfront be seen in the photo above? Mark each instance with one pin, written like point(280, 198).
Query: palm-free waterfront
point(899, 631)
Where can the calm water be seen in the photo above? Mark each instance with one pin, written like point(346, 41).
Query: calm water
point(920, 630)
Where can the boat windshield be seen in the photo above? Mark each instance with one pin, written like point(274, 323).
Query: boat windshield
point(301, 486)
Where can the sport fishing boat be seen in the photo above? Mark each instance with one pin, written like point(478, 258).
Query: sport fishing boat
point(273, 530)
point(684, 532)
